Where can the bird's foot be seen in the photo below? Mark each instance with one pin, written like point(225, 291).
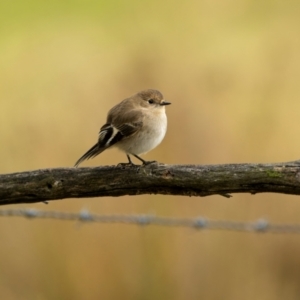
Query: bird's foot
point(124, 165)
point(145, 163)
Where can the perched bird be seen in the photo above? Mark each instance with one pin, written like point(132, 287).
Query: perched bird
point(136, 125)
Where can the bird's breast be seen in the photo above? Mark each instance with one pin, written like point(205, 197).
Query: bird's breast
point(148, 137)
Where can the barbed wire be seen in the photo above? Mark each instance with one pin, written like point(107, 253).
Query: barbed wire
point(201, 223)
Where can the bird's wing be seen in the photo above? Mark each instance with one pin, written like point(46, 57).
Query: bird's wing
point(119, 127)
point(123, 121)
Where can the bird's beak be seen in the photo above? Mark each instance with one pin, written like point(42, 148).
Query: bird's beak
point(165, 103)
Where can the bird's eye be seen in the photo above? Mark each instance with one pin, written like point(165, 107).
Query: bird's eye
point(151, 101)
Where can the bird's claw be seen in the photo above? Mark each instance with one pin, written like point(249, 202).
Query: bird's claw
point(145, 163)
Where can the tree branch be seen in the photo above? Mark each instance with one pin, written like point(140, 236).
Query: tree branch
point(189, 180)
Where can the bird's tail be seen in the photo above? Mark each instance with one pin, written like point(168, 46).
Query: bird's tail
point(94, 151)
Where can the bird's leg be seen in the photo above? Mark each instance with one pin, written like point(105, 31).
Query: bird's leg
point(129, 160)
point(144, 161)
point(130, 163)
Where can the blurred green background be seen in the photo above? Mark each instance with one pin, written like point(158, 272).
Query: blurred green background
point(232, 72)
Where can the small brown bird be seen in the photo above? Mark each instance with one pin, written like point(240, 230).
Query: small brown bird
point(136, 125)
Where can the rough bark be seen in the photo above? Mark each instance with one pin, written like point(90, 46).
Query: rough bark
point(189, 180)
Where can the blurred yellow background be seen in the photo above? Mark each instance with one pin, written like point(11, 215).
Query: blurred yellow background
point(232, 72)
